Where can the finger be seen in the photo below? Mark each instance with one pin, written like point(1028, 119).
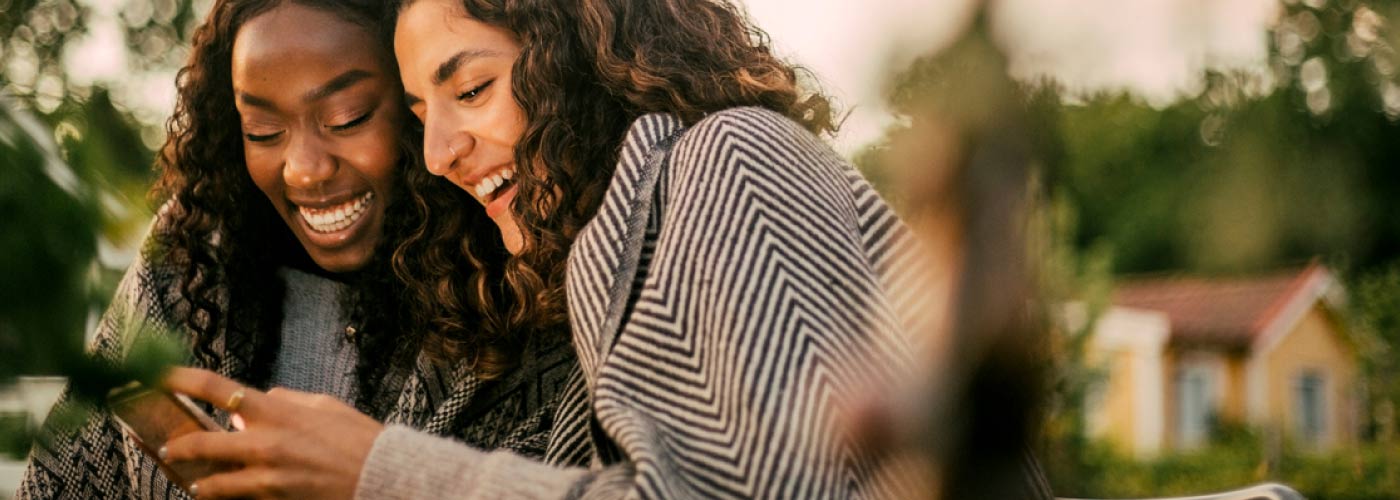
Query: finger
point(216, 389)
point(312, 400)
point(244, 483)
point(232, 447)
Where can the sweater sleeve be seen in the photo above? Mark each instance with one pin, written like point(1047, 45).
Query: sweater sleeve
point(91, 458)
point(410, 464)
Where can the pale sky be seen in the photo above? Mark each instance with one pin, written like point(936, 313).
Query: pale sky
point(1153, 48)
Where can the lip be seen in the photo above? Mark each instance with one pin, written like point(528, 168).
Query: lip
point(501, 204)
point(342, 237)
point(325, 201)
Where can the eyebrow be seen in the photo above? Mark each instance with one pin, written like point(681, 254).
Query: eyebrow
point(452, 64)
point(255, 101)
point(337, 84)
point(449, 67)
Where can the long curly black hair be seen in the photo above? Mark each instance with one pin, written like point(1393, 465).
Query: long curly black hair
point(587, 70)
point(227, 240)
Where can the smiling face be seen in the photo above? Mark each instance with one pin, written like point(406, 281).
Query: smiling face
point(456, 74)
point(320, 114)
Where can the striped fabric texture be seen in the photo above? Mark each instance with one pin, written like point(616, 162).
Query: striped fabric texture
point(735, 291)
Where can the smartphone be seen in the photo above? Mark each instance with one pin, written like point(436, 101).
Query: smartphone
point(153, 417)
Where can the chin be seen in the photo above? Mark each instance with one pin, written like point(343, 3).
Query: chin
point(510, 234)
point(341, 262)
point(513, 242)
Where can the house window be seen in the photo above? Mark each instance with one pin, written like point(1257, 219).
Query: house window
point(1195, 414)
point(1310, 405)
point(1095, 397)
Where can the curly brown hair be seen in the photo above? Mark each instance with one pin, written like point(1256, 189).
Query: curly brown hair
point(586, 71)
point(227, 240)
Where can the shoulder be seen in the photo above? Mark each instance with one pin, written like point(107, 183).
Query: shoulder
point(157, 263)
point(151, 288)
point(751, 127)
point(749, 142)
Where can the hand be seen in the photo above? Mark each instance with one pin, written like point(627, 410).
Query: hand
point(295, 444)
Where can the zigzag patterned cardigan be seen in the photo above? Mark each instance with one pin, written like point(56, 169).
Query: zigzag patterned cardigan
point(737, 285)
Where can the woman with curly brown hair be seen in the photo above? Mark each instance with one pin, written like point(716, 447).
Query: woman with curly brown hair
point(284, 199)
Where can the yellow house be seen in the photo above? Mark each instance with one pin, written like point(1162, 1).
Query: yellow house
point(1181, 354)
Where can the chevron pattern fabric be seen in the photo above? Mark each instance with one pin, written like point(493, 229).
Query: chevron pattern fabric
point(735, 290)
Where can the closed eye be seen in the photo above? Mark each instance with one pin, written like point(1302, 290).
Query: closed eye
point(352, 123)
point(261, 138)
point(473, 93)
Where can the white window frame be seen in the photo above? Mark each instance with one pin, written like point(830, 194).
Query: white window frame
point(1320, 436)
point(1195, 413)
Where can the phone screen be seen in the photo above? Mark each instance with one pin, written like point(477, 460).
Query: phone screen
point(153, 417)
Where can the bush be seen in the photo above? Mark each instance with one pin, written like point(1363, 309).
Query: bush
point(14, 436)
point(1368, 472)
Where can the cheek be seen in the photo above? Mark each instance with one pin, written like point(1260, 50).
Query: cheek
point(509, 122)
point(265, 171)
point(378, 156)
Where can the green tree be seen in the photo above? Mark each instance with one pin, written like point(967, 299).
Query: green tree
point(1265, 167)
point(48, 242)
point(72, 233)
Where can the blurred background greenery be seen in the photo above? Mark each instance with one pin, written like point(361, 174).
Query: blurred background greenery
point(77, 156)
point(1258, 168)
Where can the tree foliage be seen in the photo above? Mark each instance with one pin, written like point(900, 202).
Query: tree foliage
point(1264, 167)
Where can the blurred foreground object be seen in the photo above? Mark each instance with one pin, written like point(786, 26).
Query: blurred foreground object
point(963, 166)
point(47, 257)
point(46, 248)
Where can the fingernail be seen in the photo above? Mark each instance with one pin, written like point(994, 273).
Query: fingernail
point(162, 452)
point(194, 489)
point(238, 422)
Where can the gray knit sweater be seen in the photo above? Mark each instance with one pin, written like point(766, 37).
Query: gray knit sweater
point(315, 354)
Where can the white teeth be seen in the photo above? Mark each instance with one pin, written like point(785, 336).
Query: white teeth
point(492, 182)
point(329, 220)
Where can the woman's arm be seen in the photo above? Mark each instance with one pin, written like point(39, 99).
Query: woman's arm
point(410, 464)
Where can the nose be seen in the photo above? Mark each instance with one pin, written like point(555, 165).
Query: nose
point(444, 145)
point(309, 163)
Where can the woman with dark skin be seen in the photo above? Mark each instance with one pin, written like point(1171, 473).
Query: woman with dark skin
point(282, 165)
point(655, 172)
point(271, 256)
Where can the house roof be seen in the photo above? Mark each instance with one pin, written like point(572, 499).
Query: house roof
point(1227, 312)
